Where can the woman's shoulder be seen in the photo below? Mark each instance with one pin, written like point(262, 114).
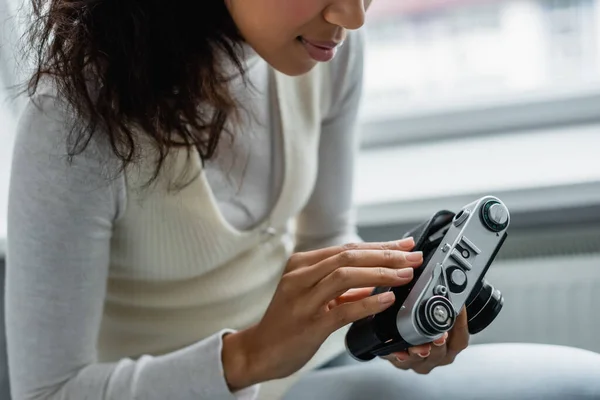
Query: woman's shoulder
point(50, 148)
point(45, 120)
point(48, 126)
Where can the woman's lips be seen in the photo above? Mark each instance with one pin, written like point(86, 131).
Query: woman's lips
point(321, 51)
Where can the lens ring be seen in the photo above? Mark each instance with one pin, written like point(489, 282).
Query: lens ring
point(484, 308)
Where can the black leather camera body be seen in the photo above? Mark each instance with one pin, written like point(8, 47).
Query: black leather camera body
point(458, 250)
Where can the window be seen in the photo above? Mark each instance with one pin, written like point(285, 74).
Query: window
point(8, 107)
point(6, 140)
point(571, 39)
point(431, 57)
point(471, 97)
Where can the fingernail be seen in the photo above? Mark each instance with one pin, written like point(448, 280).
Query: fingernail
point(424, 355)
point(400, 359)
point(404, 273)
point(441, 341)
point(416, 256)
point(386, 298)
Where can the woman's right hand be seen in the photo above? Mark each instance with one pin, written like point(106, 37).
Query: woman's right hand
point(320, 292)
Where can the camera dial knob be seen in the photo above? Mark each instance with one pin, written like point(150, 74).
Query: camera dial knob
point(440, 314)
point(498, 214)
point(458, 277)
point(494, 215)
point(435, 315)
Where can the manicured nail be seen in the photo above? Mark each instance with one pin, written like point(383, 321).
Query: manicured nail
point(440, 342)
point(386, 298)
point(414, 257)
point(424, 355)
point(404, 273)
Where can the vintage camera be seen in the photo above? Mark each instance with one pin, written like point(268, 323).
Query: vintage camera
point(458, 250)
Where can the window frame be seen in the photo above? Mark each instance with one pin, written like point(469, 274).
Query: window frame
point(391, 126)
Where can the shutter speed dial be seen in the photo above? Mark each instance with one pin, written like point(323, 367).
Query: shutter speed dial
point(494, 215)
point(498, 214)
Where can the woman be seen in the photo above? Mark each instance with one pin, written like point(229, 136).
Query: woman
point(165, 150)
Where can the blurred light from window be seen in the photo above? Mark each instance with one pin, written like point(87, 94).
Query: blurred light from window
point(424, 51)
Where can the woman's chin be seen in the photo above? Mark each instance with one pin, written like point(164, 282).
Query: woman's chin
point(295, 64)
point(297, 69)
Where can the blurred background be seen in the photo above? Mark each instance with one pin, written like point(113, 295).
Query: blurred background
point(472, 97)
point(465, 98)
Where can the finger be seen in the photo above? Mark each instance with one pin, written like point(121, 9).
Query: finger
point(405, 360)
point(420, 352)
point(342, 279)
point(363, 259)
point(458, 338)
point(400, 360)
point(312, 257)
point(418, 358)
point(436, 358)
point(401, 355)
point(351, 312)
point(441, 341)
point(417, 350)
point(352, 295)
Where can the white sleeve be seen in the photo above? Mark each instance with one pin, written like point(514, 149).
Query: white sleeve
point(59, 229)
point(329, 217)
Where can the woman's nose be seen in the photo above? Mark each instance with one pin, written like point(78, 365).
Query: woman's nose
point(348, 14)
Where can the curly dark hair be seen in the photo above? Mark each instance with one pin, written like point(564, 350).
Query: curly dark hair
point(151, 64)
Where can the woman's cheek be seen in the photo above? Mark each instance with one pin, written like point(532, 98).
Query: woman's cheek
point(299, 12)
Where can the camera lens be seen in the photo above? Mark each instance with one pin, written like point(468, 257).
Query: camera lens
point(483, 306)
point(436, 315)
point(361, 339)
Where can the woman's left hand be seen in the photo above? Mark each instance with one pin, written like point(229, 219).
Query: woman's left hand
point(424, 358)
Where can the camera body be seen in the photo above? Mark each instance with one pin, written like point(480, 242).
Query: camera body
point(458, 250)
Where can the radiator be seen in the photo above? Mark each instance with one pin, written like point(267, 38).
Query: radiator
point(550, 279)
point(547, 300)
